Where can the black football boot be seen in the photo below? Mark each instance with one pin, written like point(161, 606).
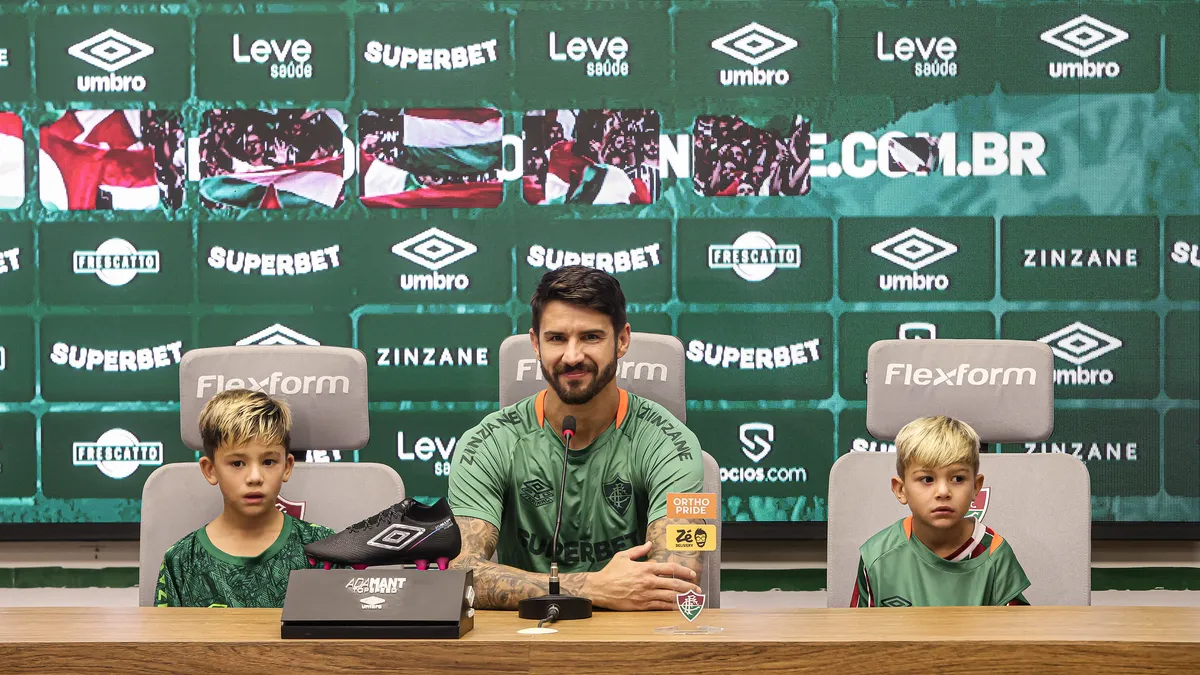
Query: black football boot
point(405, 533)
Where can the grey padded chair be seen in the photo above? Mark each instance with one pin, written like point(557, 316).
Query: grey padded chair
point(1041, 504)
point(654, 368)
point(326, 390)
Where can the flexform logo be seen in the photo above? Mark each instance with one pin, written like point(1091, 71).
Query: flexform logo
point(277, 334)
point(289, 60)
point(1079, 344)
point(754, 256)
point(626, 370)
point(116, 262)
point(275, 264)
point(754, 358)
point(117, 453)
point(932, 57)
point(110, 51)
point(958, 375)
point(275, 383)
point(914, 249)
point(431, 59)
point(754, 44)
point(605, 57)
point(434, 249)
point(1084, 36)
point(615, 262)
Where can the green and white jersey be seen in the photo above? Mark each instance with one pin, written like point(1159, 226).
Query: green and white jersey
point(195, 573)
point(896, 570)
point(507, 471)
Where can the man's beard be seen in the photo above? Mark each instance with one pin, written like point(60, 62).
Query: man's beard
point(580, 396)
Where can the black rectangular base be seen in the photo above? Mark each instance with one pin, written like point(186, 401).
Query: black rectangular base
point(375, 631)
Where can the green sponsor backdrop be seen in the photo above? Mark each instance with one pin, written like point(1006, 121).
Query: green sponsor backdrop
point(1109, 147)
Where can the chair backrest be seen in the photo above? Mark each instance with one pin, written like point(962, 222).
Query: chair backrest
point(1004, 389)
point(177, 500)
point(1041, 504)
point(710, 578)
point(326, 388)
point(653, 368)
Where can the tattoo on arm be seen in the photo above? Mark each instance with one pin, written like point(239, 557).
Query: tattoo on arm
point(656, 533)
point(500, 586)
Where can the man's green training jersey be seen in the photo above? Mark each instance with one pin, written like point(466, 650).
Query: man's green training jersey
point(507, 471)
point(195, 573)
point(896, 570)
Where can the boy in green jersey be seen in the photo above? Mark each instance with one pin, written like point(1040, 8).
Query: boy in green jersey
point(243, 558)
point(938, 555)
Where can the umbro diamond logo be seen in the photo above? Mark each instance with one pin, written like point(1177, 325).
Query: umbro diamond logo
point(434, 249)
point(277, 334)
point(397, 537)
point(1084, 36)
point(110, 50)
point(914, 249)
point(1079, 343)
point(754, 44)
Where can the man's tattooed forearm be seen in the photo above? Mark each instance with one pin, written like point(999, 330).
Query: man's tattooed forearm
point(499, 586)
point(656, 533)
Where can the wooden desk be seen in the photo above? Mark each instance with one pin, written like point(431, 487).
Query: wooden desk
point(987, 640)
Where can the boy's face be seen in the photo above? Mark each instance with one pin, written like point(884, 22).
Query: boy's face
point(938, 497)
point(249, 476)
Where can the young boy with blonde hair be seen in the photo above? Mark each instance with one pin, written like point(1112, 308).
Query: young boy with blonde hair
point(244, 557)
point(938, 555)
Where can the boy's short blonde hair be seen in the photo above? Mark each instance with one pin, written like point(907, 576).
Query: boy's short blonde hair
point(236, 417)
point(936, 442)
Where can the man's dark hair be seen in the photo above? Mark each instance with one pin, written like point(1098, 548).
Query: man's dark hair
point(583, 287)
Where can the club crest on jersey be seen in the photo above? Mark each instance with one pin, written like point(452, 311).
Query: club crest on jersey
point(293, 509)
point(690, 604)
point(979, 504)
point(618, 492)
point(396, 537)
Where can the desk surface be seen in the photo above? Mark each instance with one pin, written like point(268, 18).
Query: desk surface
point(976, 639)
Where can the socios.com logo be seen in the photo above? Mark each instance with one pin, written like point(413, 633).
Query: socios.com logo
point(757, 440)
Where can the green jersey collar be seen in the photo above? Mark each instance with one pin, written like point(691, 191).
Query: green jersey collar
point(244, 561)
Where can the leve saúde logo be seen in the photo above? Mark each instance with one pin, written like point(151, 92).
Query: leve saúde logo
point(288, 60)
point(606, 57)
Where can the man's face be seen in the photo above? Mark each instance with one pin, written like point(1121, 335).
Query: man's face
point(249, 476)
point(578, 349)
point(938, 497)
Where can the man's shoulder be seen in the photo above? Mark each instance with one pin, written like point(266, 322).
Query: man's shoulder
point(883, 542)
point(646, 418)
point(514, 420)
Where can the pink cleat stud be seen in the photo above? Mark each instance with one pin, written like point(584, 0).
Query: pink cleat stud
point(422, 565)
point(443, 563)
point(312, 562)
point(358, 567)
point(328, 565)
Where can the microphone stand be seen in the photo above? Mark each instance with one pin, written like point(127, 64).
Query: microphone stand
point(555, 606)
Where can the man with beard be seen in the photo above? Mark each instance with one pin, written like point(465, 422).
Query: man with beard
point(627, 454)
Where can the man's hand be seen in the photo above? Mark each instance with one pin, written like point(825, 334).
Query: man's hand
point(626, 584)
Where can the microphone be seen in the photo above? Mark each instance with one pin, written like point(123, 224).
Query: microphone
point(554, 605)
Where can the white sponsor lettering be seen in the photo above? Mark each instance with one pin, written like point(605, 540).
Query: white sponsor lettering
point(1079, 257)
point(914, 249)
point(277, 334)
point(1182, 252)
point(110, 50)
point(616, 262)
point(10, 260)
point(454, 58)
point(1088, 450)
point(376, 585)
point(1079, 344)
point(626, 370)
point(403, 357)
point(116, 360)
point(992, 154)
point(905, 49)
point(117, 453)
point(871, 445)
point(290, 58)
point(754, 358)
point(1084, 36)
point(275, 264)
point(960, 375)
point(116, 262)
point(607, 55)
point(753, 256)
point(754, 44)
point(275, 383)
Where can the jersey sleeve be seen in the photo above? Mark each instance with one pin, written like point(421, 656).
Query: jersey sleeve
point(477, 476)
point(862, 597)
point(671, 463)
point(166, 591)
point(1008, 579)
